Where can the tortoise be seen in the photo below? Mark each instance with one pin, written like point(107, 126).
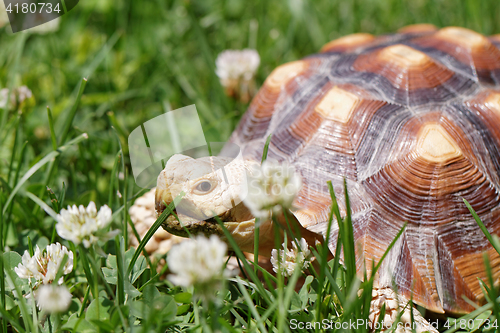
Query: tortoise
point(411, 120)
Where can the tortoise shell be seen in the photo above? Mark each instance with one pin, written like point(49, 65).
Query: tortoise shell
point(412, 121)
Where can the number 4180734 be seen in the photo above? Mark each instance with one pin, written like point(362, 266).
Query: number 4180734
point(33, 8)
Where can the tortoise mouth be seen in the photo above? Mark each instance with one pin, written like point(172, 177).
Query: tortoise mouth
point(185, 225)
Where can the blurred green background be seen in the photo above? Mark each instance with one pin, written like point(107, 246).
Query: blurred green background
point(143, 58)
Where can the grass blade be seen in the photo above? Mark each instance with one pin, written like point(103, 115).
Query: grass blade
point(38, 165)
point(251, 305)
point(103, 52)
point(14, 146)
point(389, 248)
point(242, 257)
point(348, 239)
point(22, 302)
point(42, 204)
point(494, 242)
point(13, 76)
point(72, 113)
point(120, 264)
point(159, 221)
point(51, 126)
point(266, 148)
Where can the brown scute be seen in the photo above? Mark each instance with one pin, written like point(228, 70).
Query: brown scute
point(417, 71)
point(411, 182)
point(331, 143)
point(377, 232)
point(284, 74)
point(465, 38)
point(360, 120)
point(494, 259)
point(470, 48)
point(300, 131)
point(462, 253)
point(255, 122)
point(418, 28)
point(453, 282)
point(407, 277)
point(314, 206)
point(348, 43)
point(421, 246)
point(313, 129)
point(416, 132)
point(487, 106)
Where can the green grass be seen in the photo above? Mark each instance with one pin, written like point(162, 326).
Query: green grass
point(138, 60)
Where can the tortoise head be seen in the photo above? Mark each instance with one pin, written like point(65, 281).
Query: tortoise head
point(207, 187)
point(216, 186)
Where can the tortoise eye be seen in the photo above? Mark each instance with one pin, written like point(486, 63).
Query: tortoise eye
point(203, 187)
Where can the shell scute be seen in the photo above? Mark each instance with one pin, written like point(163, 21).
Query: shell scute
point(418, 28)
point(348, 43)
point(407, 76)
point(279, 86)
point(474, 53)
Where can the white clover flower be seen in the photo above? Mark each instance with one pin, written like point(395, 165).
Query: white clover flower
point(23, 93)
point(271, 188)
point(43, 267)
point(85, 225)
point(53, 299)
point(236, 71)
point(198, 262)
point(17, 96)
point(286, 261)
point(237, 64)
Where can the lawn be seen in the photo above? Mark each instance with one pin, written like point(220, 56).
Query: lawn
point(109, 67)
